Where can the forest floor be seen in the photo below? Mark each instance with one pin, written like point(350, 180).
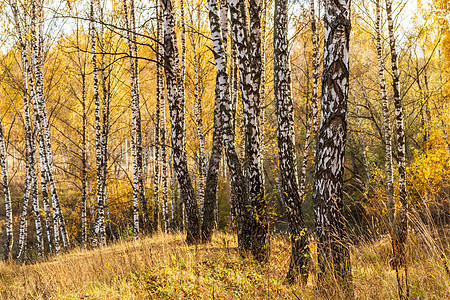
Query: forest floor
point(164, 267)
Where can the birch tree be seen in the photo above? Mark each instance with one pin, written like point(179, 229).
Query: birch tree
point(223, 101)
point(198, 94)
point(218, 19)
point(401, 228)
point(105, 76)
point(248, 48)
point(286, 145)
point(136, 140)
point(160, 112)
point(43, 128)
point(176, 107)
point(24, 215)
point(59, 224)
point(53, 247)
point(386, 121)
point(333, 252)
point(163, 140)
point(84, 160)
point(99, 224)
point(30, 177)
point(157, 143)
point(313, 125)
point(7, 195)
point(82, 62)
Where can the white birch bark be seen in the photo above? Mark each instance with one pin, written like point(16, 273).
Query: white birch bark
point(24, 215)
point(157, 143)
point(176, 107)
point(333, 252)
point(199, 125)
point(36, 89)
point(7, 195)
point(401, 226)
point(211, 188)
point(223, 103)
point(312, 127)
point(286, 145)
point(84, 160)
point(99, 224)
point(163, 140)
point(58, 219)
point(105, 75)
point(29, 138)
point(248, 47)
point(136, 137)
point(160, 114)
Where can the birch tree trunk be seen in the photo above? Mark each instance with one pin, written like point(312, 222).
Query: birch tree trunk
point(162, 134)
point(24, 215)
point(163, 140)
point(156, 166)
point(182, 79)
point(142, 199)
point(42, 163)
point(7, 195)
point(216, 151)
point(32, 171)
point(29, 138)
point(136, 140)
point(42, 152)
point(238, 182)
point(41, 127)
point(213, 172)
point(333, 251)
point(160, 113)
point(234, 87)
point(401, 228)
point(198, 94)
point(286, 145)
point(312, 127)
point(176, 107)
point(59, 224)
point(105, 123)
point(84, 160)
point(99, 224)
point(260, 247)
point(248, 47)
point(84, 153)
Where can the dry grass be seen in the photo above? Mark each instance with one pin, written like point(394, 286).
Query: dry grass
point(164, 267)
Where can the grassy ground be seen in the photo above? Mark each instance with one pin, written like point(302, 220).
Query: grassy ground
point(164, 267)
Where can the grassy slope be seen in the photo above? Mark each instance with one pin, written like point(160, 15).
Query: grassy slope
point(163, 267)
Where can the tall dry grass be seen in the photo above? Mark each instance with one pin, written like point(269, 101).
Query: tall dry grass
point(164, 267)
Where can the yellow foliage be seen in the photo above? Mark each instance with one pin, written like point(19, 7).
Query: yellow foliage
point(428, 178)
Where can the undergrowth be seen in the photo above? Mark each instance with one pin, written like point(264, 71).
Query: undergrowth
point(164, 267)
